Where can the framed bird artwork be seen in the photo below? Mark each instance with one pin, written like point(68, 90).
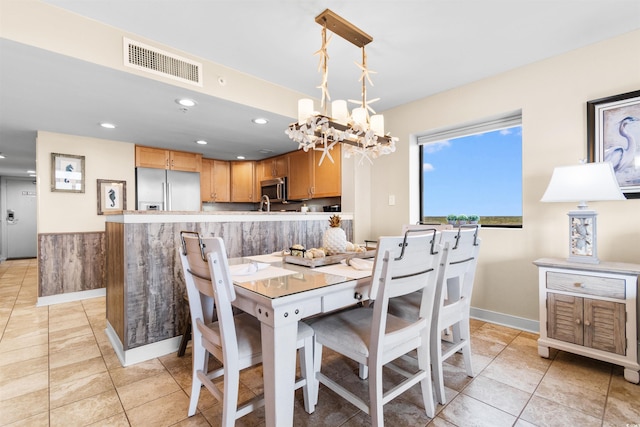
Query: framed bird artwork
point(613, 135)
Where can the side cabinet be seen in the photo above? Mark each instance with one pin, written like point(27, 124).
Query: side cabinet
point(591, 310)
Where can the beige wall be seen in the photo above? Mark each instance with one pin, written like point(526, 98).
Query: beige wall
point(552, 95)
point(60, 212)
point(48, 27)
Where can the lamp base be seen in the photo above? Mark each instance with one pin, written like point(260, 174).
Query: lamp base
point(583, 246)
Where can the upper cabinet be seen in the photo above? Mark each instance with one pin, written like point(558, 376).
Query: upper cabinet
point(158, 158)
point(308, 180)
point(243, 183)
point(215, 181)
point(275, 167)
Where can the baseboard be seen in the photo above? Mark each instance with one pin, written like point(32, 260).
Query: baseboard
point(70, 297)
point(143, 353)
point(505, 320)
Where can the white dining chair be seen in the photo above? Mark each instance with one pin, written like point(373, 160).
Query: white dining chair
point(453, 302)
point(373, 338)
point(233, 339)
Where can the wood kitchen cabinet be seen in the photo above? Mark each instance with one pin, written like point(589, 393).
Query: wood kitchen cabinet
point(158, 158)
point(243, 183)
point(308, 180)
point(215, 181)
point(274, 167)
point(592, 310)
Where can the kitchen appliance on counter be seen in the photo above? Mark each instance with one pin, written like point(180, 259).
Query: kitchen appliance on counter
point(275, 189)
point(167, 190)
point(331, 208)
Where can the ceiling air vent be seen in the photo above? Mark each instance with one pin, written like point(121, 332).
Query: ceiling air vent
point(148, 58)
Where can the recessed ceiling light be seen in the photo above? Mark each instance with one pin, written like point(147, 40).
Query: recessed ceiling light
point(186, 102)
point(108, 125)
point(2, 156)
point(240, 157)
point(31, 171)
point(260, 121)
point(201, 142)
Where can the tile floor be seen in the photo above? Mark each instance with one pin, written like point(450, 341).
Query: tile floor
point(58, 369)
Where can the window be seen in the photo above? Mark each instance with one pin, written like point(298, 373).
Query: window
point(474, 169)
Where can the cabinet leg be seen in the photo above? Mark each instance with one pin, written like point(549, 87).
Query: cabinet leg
point(632, 376)
point(543, 351)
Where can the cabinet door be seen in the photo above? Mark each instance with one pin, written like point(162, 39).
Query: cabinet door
point(564, 318)
point(148, 157)
point(220, 181)
point(206, 193)
point(280, 166)
point(604, 325)
point(242, 182)
point(300, 174)
point(183, 161)
point(327, 180)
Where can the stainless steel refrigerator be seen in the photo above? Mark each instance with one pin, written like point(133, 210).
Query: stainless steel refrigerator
point(166, 190)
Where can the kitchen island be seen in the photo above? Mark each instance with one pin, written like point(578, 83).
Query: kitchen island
point(146, 310)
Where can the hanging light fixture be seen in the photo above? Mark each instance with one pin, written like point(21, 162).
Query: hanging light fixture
point(360, 132)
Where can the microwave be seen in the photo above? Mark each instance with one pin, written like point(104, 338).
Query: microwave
point(275, 189)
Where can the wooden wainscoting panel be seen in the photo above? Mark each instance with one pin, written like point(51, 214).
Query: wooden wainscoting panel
point(70, 262)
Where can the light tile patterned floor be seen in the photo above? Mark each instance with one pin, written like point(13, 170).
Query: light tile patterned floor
point(57, 368)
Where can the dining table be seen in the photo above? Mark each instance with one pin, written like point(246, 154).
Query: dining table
point(280, 294)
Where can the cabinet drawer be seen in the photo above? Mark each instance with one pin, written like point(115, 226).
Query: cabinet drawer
point(344, 299)
point(588, 285)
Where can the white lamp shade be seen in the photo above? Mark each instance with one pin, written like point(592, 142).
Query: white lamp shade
point(305, 109)
point(359, 116)
point(339, 111)
point(377, 124)
point(582, 183)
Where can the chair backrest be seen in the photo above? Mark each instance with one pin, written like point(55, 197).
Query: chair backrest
point(197, 279)
point(438, 227)
point(462, 246)
point(408, 264)
point(208, 268)
point(398, 245)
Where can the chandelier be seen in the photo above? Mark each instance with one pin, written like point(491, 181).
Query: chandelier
point(361, 133)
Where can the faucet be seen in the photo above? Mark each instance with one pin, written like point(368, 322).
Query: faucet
point(263, 200)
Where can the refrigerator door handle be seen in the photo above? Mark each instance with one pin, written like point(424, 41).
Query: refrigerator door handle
point(164, 196)
point(169, 196)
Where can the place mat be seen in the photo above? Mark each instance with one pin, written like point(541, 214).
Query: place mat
point(265, 258)
point(247, 269)
point(267, 273)
point(344, 270)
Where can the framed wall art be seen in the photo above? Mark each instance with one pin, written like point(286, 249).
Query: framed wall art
point(112, 196)
point(67, 173)
point(613, 135)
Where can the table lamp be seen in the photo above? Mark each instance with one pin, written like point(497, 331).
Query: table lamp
point(581, 183)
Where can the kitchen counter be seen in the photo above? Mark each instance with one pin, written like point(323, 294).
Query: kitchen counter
point(146, 311)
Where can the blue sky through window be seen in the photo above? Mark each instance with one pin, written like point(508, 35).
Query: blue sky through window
point(476, 174)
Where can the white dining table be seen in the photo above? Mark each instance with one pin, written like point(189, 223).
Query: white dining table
point(281, 299)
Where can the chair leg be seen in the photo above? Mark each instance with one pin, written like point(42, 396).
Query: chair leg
point(317, 362)
point(426, 386)
point(465, 335)
point(186, 336)
point(230, 400)
point(375, 397)
point(436, 368)
point(310, 389)
point(200, 360)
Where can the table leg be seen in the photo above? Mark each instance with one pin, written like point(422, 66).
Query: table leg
point(279, 370)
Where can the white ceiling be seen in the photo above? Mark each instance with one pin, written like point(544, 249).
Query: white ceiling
point(420, 47)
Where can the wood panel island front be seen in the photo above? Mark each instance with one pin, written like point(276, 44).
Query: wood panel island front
point(146, 310)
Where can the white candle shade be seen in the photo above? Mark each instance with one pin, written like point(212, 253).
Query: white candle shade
point(377, 124)
point(305, 110)
point(359, 116)
point(339, 111)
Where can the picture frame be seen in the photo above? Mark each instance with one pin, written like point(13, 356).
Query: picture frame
point(613, 134)
point(67, 173)
point(112, 196)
